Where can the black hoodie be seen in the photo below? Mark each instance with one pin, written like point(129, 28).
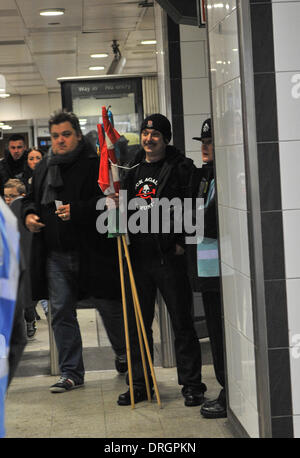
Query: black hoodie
point(174, 180)
point(9, 168)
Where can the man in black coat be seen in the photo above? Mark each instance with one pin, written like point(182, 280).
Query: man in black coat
point(70, 261)
point(161, 171)
point(12, 166)
point(208, 280)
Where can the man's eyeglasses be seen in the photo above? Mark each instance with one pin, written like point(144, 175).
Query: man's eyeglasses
point(11, 196)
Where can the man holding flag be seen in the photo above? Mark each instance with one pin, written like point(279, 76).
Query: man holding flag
point(70, 261)
point(160, 171)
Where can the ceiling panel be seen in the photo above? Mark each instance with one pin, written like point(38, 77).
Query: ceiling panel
point(10, 54)
point(89, 3)
point(7, 5)
point(56, 66)
point(30, 90)
point(111, 11)
point(17, 68)
point(23, 76)
point(52, 42)
point(95, 24)
point(11, 27)
point(35, 51)
point(29, 10)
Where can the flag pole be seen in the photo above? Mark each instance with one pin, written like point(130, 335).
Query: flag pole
point(126, 323)
point(136, 300)
point(141, 346)
point(138, 328)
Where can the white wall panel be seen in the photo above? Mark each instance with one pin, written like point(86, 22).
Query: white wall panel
point(291, 230)
point(286, 23)
point(193, 59)
point(289, 172)
point(195, 96)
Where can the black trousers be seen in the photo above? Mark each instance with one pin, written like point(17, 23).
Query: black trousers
point(170, 277)
point(112, 316)
point(213, 314)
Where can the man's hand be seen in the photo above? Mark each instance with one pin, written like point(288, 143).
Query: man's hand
point(64, 212)
point(179, 250)
point(32, 223)
point(112, 201)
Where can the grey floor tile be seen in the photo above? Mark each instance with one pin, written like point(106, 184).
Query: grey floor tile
point(92, 411)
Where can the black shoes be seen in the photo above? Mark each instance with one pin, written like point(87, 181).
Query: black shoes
point(30, 329)
point(139, 396)
point(192, 397)
point(213, 409)
point(121, 364)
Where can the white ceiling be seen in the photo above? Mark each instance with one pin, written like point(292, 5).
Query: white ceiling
point(34, 53)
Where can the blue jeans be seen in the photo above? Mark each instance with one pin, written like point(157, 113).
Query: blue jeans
point(62, 274)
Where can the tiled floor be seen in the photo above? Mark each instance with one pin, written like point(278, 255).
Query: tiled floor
point(92, 412)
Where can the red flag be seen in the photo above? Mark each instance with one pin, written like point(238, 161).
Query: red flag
point(108, 179)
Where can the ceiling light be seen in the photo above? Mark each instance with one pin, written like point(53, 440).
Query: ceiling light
point(52, 12)
point(4, 96)
point(96, 68)
point(99, 56)
point(6, 127)
point(148, 42)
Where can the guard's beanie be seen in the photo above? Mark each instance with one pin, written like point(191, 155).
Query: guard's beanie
point(158, 122)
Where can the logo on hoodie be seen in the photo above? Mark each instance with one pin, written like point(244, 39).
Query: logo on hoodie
point(146, 189)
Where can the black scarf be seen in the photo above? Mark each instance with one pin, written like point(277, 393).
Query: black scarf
point(53, 179)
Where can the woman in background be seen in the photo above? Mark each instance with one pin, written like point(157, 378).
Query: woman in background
point(34, 157)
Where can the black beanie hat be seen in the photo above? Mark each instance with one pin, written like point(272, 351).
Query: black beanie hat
point(158, 122)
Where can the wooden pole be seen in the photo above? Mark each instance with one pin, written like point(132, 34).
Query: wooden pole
point(126, 323)
point(134, 291)
point(141, 347)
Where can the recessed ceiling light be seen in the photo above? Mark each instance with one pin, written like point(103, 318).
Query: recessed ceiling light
point(52, 12)
point(148, 42)
point(99, 56)
point(96, 68)
point(4, 96)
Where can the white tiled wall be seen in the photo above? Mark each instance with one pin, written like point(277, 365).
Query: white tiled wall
point(195, 87)
point(286, 17)
point(230, 165)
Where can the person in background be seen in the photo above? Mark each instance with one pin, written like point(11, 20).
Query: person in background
point(14, 192)
point(208, 281)
point(12, 166)
point(34, 156)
